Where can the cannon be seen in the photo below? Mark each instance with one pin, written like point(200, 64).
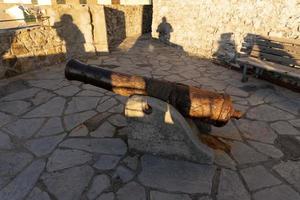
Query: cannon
point(193, 102)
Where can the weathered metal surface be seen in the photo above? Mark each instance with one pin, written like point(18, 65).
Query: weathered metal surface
point(211, 107)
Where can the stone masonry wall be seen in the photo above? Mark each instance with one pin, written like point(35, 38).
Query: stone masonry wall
point(71, 31)
point(209, 27)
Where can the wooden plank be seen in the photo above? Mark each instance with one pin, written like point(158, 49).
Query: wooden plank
point(278, 39)
point(275, 58)
point(275, 51)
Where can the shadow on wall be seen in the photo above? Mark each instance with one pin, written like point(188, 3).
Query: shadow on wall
point(71, 35)
point(226, 52)
point(115, 26)
point(164, 31)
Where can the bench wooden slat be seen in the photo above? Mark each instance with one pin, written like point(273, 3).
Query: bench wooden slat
point(270, 66)
point(274, 58)
point(269, 44)
point(281, 40)
point(292, 55)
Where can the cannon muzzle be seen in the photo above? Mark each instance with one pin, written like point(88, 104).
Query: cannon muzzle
point(214, 108)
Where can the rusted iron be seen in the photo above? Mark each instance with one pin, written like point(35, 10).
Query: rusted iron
point(211, 107)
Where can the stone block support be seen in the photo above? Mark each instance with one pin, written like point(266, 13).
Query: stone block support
point(156, 127)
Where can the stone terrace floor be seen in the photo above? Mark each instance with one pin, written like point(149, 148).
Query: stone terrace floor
point(65, 140)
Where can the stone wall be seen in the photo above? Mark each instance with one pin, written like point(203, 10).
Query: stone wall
point(210, 27)
point(127, 21)
point(71, 31)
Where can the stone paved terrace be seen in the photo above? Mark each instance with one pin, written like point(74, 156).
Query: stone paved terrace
point(65, 140)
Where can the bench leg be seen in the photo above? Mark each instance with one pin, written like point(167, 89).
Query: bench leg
point(245, 77)
point(257, 72)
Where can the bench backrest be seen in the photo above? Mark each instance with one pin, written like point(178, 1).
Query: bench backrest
point(278, 50)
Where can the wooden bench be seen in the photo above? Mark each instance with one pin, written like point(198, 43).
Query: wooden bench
point(270, 54)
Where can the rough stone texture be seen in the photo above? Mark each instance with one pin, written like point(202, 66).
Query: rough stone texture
point(177, 176)
point(284, 128)
point(4, 118)
point(257, 130)
point(5, 142)
point(45, 145)
point(52, 108)
point(258, 177)
point(104, 130)
point(290, 171)
point(231, 187)
point(99, 184)
point(106, 162)
point(223, 159)
point(268, 113)
point(164, 131)
point(52, 127)
point(37, 194)
point(282, 192)
point(23, 94)
point(228, 131)
point(19, 187)
point(79, 131)
point(156, 195)
point(79, 104)
point(74, 120)
point(61, 159)
point(113, 146)
point(24, 128)
point(223, 32)
point(123, 173)
point(130, 191)
point(243, 154)
point(68, 184)
point(14, 107)
point(266, 149)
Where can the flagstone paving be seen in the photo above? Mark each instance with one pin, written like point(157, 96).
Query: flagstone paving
point(65, 140)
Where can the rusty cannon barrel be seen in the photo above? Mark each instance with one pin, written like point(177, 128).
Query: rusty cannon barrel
point(211, 107)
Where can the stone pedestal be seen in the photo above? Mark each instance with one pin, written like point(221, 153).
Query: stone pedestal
point(158, 128)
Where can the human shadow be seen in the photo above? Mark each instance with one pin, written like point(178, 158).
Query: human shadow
point(164, 31)
point(71, 35)
point(226, 52)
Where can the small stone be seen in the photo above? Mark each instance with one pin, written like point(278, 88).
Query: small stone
point(123, 173)
point(52, 108)
point(45, 145)
point(295, 123)
point(291, 106)
point(231, 187)
point(244, 154)
point(79, 104)
point(67, 91)
point(113, 146)
point(106, 196)
point(90, 93)
point(23, 94)
point(100, 183)
point(5, 142)
point(131, 191)
point(74, 120)
point(15, 107)
point(284, 128)
point(42, 97)
point(20, 186)
point(259, 96)
point(68, 184)
point(236, 91)
point(62, 159)
point(106, 105)
point(37, 194)
point(24, 128)
point(118, 120)
point(104, 130)
point(52, 127)
point(267, 149)
point(223, 159)
point(79, 131)
point(131, 162)
point(12, 163)
point(156, 195)
point(176, 176)
point(256, 130)
point(253, 177)
point(268, 113)
point(281, 192)
point(107, 162)
point(290, 171)
point(228, 131)
point(4, 118)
